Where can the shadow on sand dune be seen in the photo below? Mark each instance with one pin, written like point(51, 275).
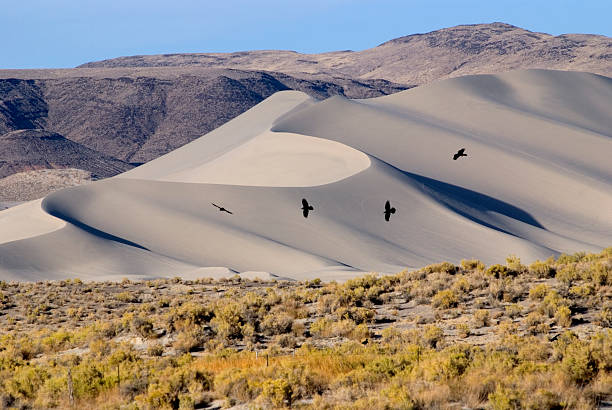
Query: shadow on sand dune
point(453, 196)
point(52, 205)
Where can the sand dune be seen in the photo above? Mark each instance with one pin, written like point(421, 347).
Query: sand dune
point(537, 181)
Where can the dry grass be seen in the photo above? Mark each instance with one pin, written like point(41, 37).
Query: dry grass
point(442, 336)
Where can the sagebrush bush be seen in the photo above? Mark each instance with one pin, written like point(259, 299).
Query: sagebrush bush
point(445, 299)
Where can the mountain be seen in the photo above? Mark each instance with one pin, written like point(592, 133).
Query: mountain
point(26, 150)
point(135, 109)
point(537, 181)
point(137, 115)
point(415, 59)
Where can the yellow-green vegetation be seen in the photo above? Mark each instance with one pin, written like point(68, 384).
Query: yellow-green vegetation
point(444, 336)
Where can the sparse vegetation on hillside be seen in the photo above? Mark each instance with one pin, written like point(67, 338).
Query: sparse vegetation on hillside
point(508, 336)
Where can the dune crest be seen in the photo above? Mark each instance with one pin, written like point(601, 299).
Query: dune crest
point(537, 181)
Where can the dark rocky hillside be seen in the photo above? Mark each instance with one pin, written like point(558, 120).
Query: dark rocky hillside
point(26, 150)
point(136, 117)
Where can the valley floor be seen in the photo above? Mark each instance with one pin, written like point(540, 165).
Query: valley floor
point(443, 336)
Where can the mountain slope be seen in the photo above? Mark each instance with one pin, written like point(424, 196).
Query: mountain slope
point(536, 182)
point(135, 116)
point(27, 150)
point(415, 59)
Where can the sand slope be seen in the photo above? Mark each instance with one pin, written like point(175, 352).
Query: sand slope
point(537, 181)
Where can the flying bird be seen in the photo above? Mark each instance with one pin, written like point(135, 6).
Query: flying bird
point(388, 211)
point(222, 209)
point(460, 153)
point(306, 208)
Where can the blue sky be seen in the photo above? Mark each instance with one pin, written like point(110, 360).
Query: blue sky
point(66, 33)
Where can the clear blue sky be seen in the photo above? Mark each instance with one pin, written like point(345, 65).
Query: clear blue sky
point(66, 33)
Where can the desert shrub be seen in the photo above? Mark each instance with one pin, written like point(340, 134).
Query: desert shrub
point(25, 381)
point(237, 384)
point(88, 379)
point(278, 392)
point(320, 327)
point(143, 327)
point(276, 323)
point(433, 336)
point(190, 314)
point(551, 303)
point(565, 259)
point(463, 330)
point(536, 323)
point(538, 292)
point(582, 291)
point(360, 333)
point(514, 310)
point(445, 299)
point(604, 318)
point(568, 274)
point(578, 362)
point(498, 271)
point(472, 264)
point(356, 314)
point(127, 297)
point(155, 350)
point(563, 316)
point(514, 265)
point(481, 318)
point(188, 339)
point(541, 269)
point(444, 267)
point(227, 322)
point(600, 274)
point(505, 399)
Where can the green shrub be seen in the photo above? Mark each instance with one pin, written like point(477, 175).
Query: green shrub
point(472, 264)
point(505, 399)
point(433, 335)
point(498, 271)
point(541, 269)
point(445, 299)
point(563, 316)
point(481, 318)
point(567, 274)
point(278, 392)
point(538, 292)
point(514, 265)
point(276, 323)
point(143, 327)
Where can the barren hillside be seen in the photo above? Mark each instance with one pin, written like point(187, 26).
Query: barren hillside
point(418, 58)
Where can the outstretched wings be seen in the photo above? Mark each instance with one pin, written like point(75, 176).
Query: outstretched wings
point(388, 210)
point(306, 207)
point(460, 153)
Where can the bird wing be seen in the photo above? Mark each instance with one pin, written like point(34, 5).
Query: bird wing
point(387, 206)
point(229, 212)
point(387, 216)
point(305, 212)
point(304, 203)
point(216, 205)
point(461, 151)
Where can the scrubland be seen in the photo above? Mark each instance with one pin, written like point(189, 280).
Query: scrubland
point(444, 336)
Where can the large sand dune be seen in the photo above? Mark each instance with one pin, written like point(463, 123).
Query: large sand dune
point(537, 181)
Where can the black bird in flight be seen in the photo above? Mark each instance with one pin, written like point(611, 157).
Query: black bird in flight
point(460, 153)
point(388, 211)
point(222, 209)
point(306, 208)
